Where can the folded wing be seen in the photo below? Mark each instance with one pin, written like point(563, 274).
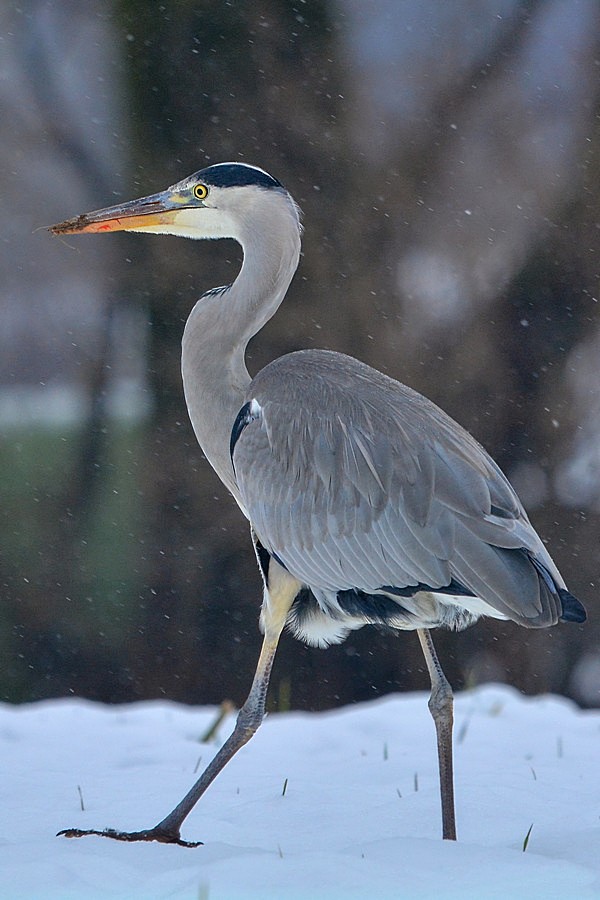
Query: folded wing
point(355, 482)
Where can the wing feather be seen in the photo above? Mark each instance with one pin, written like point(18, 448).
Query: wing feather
point(354, 481)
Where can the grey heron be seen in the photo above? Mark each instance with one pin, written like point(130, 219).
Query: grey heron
point(367, 504)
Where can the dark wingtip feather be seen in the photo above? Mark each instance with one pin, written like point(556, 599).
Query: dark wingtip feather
point(572, 609)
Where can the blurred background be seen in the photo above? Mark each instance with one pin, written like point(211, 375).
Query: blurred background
point(447, 160)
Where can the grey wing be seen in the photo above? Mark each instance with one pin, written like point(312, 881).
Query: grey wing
point(354, 481)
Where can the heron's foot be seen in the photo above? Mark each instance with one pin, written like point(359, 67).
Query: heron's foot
point(162, 835)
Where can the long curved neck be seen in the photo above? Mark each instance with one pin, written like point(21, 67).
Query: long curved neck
point(216, 335)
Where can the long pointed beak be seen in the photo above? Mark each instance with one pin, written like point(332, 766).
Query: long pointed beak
point(158, 210)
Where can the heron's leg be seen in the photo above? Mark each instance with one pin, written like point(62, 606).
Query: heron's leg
point(441, 708)
point(279, 597)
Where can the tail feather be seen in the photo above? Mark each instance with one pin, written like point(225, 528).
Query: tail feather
point(572, 609)
point(568, 607)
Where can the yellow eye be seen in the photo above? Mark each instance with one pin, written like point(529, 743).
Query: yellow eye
point(200, 191)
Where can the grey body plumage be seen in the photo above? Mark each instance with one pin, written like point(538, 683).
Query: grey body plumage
point(367, 503)
point(357, 483)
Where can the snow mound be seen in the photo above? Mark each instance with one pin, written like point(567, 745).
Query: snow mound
point(340, 804)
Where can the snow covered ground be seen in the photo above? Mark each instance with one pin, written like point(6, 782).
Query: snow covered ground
point(359, 816)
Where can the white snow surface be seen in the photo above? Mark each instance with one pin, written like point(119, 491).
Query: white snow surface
point(359, 817)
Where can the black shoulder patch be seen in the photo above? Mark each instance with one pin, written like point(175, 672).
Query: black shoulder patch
point(248, 413)
point(242, 419)
point(236, 175)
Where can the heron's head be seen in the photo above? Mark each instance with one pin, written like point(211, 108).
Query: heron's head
point(220, 201)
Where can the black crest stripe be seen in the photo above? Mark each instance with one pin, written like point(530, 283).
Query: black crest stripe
point(236, 175)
